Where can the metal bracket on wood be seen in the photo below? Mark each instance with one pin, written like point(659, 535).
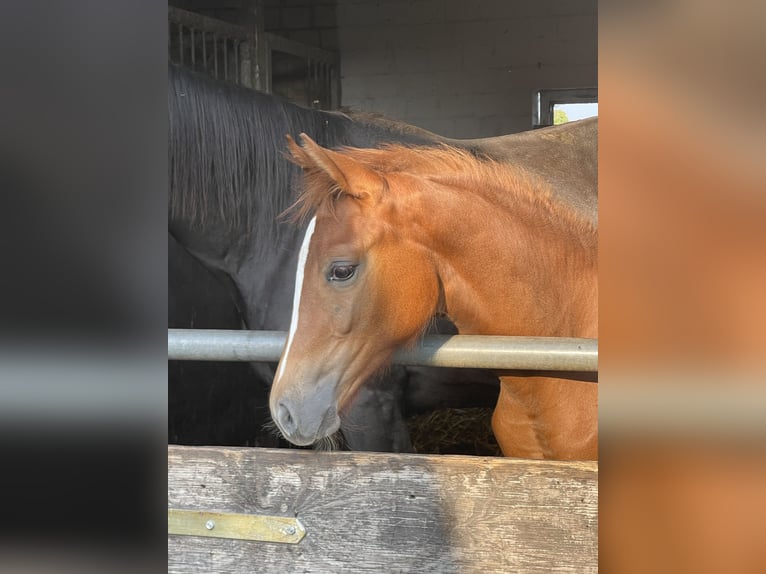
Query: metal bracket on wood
point(258, 527)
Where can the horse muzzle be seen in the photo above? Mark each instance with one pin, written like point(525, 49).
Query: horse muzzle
point(306, 420)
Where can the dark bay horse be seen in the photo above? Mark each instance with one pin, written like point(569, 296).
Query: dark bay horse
point(228, 181)
point(209, 402)
point(400, 234)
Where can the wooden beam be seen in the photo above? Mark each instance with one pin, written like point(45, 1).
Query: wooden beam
point(367, 512)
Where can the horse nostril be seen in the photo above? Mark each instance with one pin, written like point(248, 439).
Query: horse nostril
point(285, 419)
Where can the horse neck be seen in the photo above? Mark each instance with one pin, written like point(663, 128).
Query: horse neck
point(248, 270)
point(507, 267)
point(565, 157)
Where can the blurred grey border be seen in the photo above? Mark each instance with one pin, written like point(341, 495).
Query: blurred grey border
point(83, 285)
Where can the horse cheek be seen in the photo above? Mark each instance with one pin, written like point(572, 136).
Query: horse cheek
point(341, 318)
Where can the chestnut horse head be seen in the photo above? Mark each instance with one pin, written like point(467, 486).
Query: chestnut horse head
point(400, 234)
point(362, 290)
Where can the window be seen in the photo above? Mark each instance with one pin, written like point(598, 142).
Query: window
point(575, 103)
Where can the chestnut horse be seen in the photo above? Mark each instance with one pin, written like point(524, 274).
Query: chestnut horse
point(400, 234)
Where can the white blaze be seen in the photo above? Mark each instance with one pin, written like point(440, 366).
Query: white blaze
point(302, 256)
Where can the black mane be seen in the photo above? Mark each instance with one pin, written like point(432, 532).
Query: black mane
point(224, 157)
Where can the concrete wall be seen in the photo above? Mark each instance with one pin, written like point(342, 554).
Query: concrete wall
point(457, 67)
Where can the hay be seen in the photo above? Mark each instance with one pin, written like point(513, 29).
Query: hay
point(454, 431)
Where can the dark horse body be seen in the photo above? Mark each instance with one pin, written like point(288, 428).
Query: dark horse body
point(213, 403)
point(229, 182)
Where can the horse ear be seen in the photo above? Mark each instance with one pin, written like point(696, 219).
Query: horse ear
point(298, 155)
point(351, 177)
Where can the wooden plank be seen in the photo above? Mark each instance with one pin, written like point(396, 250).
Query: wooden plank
point(367, 512)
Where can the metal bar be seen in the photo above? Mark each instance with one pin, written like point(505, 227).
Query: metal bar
point(237, 71)
point(468, 351)
point(317, 97)
point(258, 527)
point(181, 43)
point(193, 46)
point(321, 85)
point(215, 54)
point(265, 65)
point(204, 51)
point(225, 58)
point(336, 88)
point(326, 87)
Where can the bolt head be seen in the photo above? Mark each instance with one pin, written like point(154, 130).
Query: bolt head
point(210, 524)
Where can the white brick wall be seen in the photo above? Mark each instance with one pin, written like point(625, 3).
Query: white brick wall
point(462, 68)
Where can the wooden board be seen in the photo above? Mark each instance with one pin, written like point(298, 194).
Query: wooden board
point(368, 512)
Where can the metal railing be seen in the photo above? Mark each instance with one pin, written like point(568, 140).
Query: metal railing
point(222, 50)
point(233, 53)
point(465, 351)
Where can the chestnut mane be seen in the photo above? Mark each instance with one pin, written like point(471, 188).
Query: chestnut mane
point(445, 165)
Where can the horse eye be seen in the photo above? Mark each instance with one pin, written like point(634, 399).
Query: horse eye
point(342, 272)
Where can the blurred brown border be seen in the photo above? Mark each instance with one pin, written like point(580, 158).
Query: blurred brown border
point(682, 218)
